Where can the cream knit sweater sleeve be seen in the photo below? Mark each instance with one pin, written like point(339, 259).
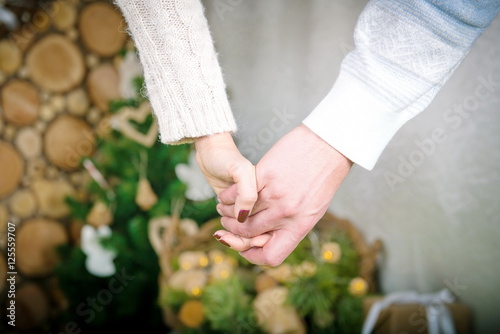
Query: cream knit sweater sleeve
point(182, 75)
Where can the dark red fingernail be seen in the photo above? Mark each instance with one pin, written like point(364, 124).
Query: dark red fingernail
point(224, 243)
point(217, 236)
point(242, 216)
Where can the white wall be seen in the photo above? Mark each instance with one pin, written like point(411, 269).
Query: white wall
point(440, 223)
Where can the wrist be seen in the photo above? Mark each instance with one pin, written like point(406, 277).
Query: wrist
point(327, 151)
point(213, 140)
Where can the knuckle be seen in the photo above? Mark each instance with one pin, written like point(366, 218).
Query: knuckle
point(273, 261)
point(246, 234)
point(237, 168)
point(267, 175)
point(288, 209)
point(250, 199)
point(241, 231)
point(276, 195)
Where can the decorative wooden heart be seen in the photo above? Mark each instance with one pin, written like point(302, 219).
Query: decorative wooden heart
point(121, 122)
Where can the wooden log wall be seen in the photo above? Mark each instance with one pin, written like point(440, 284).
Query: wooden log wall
point(58, 72)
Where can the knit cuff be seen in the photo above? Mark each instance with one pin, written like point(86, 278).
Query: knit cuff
point(356, 122)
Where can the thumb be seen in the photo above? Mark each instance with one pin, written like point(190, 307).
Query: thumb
point(246, 191)
point(228, 196)
point(275, 250)
point(241, 244)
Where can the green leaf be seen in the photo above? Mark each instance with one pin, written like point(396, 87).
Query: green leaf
point(228, 307)
point(350, 315)
point(174, 298)
point(78, 209)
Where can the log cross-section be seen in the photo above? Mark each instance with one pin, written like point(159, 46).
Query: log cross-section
point(55, 64)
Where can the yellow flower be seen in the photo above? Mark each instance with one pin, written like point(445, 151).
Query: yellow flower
point(221, 271)
point(358, 287)
point(192, 314)
point(274, 314)
point(263, 282)
point(195, 291)
point(203, 261)
point(305, 269)
point(191, 281)
point(193, 260)
point(331, 252)
point(216, 256)
point(282, 273)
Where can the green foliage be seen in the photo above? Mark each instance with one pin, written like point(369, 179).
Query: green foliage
point(318, 290)
point(350, 315)
point(79, 209)
point(348, 265)
point(175, 298)
point(228, 307)
point(320, 298)
point(116, 105)
point(121, 161)
point(128, 301)
point(315, 296)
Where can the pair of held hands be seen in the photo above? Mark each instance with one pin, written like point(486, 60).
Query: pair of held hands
point(279, 200)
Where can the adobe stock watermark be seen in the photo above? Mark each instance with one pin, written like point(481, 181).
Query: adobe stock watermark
point(347, 47)
point(38, 22)
point(266, 308)
point(425, 315)
point(85, 146)
point(92, 305)
point(222, 7)
point(277, 124)
point(11, 273)
point(454, 118)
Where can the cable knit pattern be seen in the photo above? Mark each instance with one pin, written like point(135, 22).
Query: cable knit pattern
point(182, 75)
point(405, 52)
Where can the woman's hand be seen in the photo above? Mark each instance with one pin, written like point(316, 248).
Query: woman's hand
point(223, 165)
point(241, 244)
point(297, 180)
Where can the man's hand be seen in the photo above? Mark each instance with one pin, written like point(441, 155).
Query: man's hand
point(223, 166)
point(297, 180)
